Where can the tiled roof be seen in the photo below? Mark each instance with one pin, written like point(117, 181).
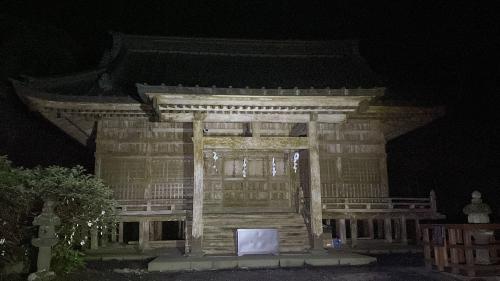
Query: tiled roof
point(220, 62)
point(242, 71)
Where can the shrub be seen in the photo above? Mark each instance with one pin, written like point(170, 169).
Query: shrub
point(15, 212)
point(83, 202)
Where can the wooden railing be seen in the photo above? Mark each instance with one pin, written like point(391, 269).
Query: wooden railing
point(137, 207)
point(376, 204)
point(458, 248)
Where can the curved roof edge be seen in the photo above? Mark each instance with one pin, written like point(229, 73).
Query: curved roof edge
point(145, 88)
point(238, 47)
point(57, 80)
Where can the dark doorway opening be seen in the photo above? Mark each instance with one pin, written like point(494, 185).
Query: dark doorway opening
point(173, 230)
point(130, 232)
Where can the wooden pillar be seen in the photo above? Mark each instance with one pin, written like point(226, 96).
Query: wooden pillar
point(397, 229)
point(452, 240)
point(388, 230)
point(341, 230)
point(315, 184)
point(113, 233)
point(427, 249)
point(404, 235)
point(144, 234)
point(197, 228)
point(94, 239)
point(469, 253)
point(354, 233)
point(371, 233)
point(418, 231)
point(104, 237)
point(120, 232)
point(380, 229)
point(180, 230)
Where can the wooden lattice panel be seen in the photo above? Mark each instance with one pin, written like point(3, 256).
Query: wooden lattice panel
point(353, 159)
point(360, 170)
point(146, 161)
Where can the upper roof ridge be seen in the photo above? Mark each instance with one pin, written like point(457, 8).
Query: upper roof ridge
point(244, 47)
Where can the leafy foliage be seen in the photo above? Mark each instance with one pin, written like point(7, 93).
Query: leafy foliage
point(65, 258)
point(84, 202)
point(15, 205)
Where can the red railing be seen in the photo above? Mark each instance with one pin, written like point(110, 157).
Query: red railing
point(459, 248)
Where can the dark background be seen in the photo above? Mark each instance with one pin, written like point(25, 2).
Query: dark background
point(428, 52)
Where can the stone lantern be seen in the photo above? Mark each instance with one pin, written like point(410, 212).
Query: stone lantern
point(47, 221)
point(478, 212)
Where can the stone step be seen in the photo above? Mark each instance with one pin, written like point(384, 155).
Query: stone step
point(219, 230)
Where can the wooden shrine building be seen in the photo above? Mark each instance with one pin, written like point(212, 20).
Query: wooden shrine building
point(288, 139)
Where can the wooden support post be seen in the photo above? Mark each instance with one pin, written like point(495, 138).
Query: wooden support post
point(404, 235)
point(397, 229)
point(427, 249)
point(144, 234)
point(469, 254)
point(187, 237)
point(342, 231)
point(315, 185)
point(388, 230)
point(197, 228)
point(157, 231)
point(418, 232)
point(120, 232)
point(452, 241)
point(354, 233)
point(113, 233)
point(104, 237)
point(180, 230)
point(439, 258)
point(380, 229)
point(371, 233)
point(460, 240)
point(94, 239)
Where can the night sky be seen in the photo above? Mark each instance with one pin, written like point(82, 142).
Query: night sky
point(428, 52)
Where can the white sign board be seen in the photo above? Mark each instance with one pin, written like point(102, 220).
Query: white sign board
point(257, 241)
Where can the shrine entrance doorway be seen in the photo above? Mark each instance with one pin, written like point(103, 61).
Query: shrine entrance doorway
point(250, 182)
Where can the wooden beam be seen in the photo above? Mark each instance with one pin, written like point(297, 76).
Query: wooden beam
point(246, 118)
point(241, 100)
point(261, 143)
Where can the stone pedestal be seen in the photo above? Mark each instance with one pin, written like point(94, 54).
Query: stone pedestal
point(482, 237)
point(478, 212)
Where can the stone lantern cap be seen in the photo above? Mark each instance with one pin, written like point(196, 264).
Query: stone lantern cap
point(477, 211)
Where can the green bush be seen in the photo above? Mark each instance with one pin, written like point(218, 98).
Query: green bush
point(83, 202)
point(15, 212)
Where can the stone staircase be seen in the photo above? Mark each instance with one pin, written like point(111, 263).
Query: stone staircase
point(219, 231)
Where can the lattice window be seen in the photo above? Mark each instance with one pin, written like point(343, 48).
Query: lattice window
point(360, 170)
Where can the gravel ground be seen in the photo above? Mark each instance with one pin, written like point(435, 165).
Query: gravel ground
point(389, 267)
